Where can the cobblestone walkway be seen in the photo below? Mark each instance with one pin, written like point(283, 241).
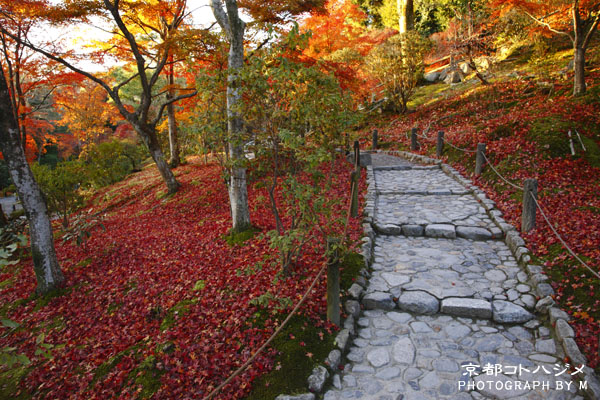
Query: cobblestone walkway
point(447, 312)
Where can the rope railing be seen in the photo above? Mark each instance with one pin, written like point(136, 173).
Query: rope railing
point(561, 239)
point(459, 148)
point(500, 175)
point(528, 214)
point(264, 346)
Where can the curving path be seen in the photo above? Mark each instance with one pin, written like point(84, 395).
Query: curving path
point(447, 312)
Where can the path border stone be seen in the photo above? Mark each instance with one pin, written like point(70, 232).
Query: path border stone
point(558, 319)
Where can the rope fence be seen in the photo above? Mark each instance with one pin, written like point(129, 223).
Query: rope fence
point(529, 190)
point(487, 161)
point(264, 346)
point(333, 277)
point(561, 239)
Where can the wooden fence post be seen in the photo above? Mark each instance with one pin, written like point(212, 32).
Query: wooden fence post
point(333, 282)
point(479, 158)
point(375, 139)
point(440, 144)
point(414, 145)
point(354, 178)
point(529, 207)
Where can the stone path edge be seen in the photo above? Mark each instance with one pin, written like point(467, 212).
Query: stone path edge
point(320, 375)
point(545, 306)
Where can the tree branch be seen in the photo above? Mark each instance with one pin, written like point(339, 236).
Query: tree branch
point(171, 101)
point(221, 16)
point(590, 33)
point(550, 28)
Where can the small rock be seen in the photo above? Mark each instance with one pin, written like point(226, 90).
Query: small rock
point(544, 289)
point(333, 359)
point(563, 329)
point(506, 312)
point(546, 346)
point(341, 340)
point(556, 314)
point(378, 300)
point(453, 77)
point(404, 351)
point(469, 308)
point(418, 302)
point(573, 352)
point(544, 304)
point(352, 307)
point(305, 396)
point(378, 357)
point(440, 231)
point(431, 76)
point(355, 291)
point(317, 379)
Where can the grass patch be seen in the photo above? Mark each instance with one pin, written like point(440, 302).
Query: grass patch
point(351, 264)
point(174, 312)
point(10, 383)
point(147, 376)
point(103, 370)
point(239, 238)
point(551, 135)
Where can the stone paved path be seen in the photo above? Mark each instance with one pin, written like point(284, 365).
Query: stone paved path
point(445, 299)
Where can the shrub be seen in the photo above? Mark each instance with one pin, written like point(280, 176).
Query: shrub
point(61, 186)
point(110, 162)
point(398, 64)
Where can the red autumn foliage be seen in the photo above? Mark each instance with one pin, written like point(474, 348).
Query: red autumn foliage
point(129, 278)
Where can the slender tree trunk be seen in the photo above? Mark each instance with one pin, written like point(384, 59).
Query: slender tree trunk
point(238, 192)
point(45, 265)
point(579, 86)
point(405, 15)
point(173, 139)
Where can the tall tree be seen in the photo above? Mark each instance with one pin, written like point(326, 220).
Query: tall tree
point(230, 22)
point(47, 270)
point(234, 28)
point(134, 39)
point(406, 15)
point(576, 19)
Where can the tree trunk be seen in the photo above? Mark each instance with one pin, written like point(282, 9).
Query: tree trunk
point(45, 265)
point(173, 140)
point(238, 193)
point(579, 68)
point(405, 15)
point(148, 135)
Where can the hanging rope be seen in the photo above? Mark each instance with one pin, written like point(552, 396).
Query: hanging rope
point(500, 175)
point(561, 239)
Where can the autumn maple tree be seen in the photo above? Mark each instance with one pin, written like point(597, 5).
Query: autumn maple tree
point(133, 40)
point(575, 19)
